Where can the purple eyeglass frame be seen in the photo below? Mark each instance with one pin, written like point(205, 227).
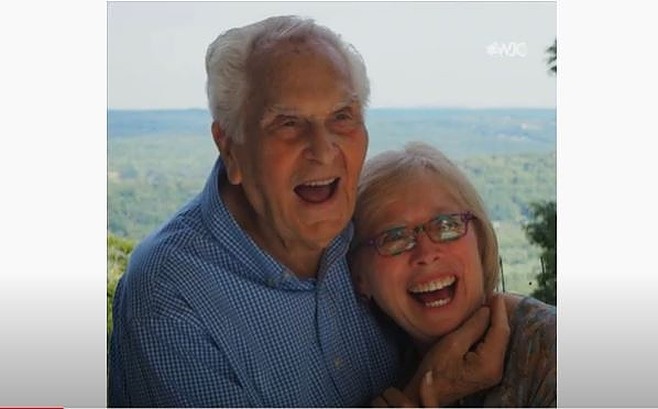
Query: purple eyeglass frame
point(466, 217)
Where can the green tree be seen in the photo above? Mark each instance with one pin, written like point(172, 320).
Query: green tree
point(542, 229)
point(552, 57)
point(542, 232)
point(118, 253)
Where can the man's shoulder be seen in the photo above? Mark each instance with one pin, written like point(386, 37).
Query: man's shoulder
point(174, 236)
point(168, 266)
point(164, 250)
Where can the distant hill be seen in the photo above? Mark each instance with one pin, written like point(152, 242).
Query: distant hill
point(158, 160)
point(184, 122)
point(460, 133)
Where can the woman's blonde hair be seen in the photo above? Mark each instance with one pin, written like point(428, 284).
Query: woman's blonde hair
point(384, 171)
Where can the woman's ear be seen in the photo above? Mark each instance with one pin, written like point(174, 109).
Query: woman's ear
point(359, 280)
point(227, 149)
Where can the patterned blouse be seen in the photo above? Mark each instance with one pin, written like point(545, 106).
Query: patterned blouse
point(529, 379)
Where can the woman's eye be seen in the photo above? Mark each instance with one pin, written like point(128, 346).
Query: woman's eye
point(393, 235)
point(448, 225)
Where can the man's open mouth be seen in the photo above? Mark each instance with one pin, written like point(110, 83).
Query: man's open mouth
point(317, 191)
point(435, 293)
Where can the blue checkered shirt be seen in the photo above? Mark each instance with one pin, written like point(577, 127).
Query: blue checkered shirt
point(203, 317)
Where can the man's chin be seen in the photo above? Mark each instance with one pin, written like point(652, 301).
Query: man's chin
point(321, 233)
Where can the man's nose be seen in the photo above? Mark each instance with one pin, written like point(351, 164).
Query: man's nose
point(322, 145)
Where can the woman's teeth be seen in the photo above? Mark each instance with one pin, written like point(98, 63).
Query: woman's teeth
point(438, 303)
point(432, 285)
point(435, 293)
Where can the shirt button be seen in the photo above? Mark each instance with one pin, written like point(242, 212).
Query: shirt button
point(338, 362)
point(271, 282)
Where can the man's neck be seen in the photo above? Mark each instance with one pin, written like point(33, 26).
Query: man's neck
point(302, 261)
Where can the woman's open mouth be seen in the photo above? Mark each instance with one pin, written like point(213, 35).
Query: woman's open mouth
point(435, 293)
point(317, 191)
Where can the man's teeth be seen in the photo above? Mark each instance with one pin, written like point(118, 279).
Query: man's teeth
point(432, 285)
point(320, 182)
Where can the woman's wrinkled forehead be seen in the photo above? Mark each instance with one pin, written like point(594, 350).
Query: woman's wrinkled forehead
point(405, 185)
point(390, 185)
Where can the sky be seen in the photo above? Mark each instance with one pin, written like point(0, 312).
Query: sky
point(418, 54)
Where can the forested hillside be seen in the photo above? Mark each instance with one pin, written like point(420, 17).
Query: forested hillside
point(509, 183)
point(158, 160)
point(150, 177)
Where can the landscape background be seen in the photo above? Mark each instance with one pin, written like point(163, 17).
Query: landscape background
point(159, 159)
point(492, 60)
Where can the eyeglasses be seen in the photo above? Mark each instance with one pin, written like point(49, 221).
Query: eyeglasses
point(440, 229)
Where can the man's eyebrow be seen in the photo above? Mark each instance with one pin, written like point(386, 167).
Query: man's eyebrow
point(346, 102)
point(276, 110)
point(281, 110)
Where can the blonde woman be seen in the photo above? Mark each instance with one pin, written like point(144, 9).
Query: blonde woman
point(425, 254)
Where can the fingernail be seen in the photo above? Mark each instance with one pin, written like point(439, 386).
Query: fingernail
point(428, 378)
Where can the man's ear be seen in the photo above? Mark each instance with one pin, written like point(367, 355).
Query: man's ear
point(226, 147)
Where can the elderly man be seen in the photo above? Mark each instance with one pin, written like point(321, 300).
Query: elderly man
point(243, 298)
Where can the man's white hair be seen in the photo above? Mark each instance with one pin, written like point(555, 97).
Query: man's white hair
point(226, 65)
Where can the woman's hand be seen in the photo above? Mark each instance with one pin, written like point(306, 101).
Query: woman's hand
point(463, 362)
point(393, 398)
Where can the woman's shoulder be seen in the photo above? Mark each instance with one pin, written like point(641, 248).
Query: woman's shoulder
point(528, 312)
point(530, 370)
point(533, 337)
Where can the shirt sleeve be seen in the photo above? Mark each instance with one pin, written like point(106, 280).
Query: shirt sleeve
point(168, 362)
point(537, 359)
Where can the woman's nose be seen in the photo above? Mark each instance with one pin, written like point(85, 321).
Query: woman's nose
point(426, 251)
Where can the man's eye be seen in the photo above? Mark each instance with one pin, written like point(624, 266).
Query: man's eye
point(285, 126)
point(343, 121)
point(289, 122)
point(343, 116)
